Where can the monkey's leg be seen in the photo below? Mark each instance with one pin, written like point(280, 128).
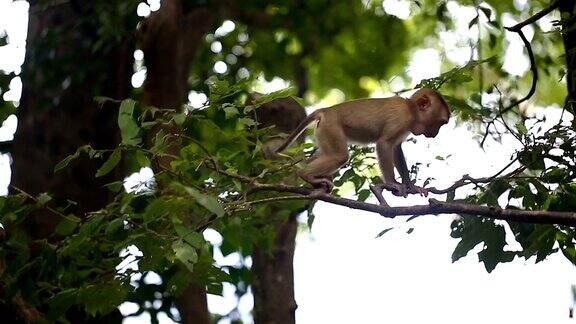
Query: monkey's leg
point(332, 154)
point(410, 186)
point(323, 182)
point(318, 173)
point(385, 152)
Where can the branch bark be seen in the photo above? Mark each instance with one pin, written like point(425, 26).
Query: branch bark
point(435, 207)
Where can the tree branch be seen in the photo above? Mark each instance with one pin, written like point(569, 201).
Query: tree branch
point(534, 18)
point(466, 179)
point(518, 29)
point(435, 207)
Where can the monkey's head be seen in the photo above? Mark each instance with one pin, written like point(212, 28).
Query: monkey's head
point(430, 111)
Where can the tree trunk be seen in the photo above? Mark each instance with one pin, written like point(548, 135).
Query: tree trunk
point(170, 38)
point(57, 113)
point(272, 271)
point(567, 10)
point(273, 277)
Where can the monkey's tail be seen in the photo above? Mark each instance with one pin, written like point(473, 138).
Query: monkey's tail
point(299, 130)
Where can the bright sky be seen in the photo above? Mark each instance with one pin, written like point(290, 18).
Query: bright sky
point(342, 273)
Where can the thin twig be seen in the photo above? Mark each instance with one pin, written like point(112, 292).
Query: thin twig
point(45, 206)
point(535, 18)
point(273, 199)
point(466, 179)
point(518, 29)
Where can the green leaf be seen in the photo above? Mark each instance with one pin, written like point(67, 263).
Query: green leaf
point(185, 253)
point(191, 237)
point(521, 128)
point(473, 22)
point(128, 127)
point(364, 194)
point(230, 111)
point(487, 12)
point(43, 198)
point(6, 111)
point(104, 297)
point(110, 163)
point(311, 216)
point(206, 201)
point(541, 242)
point(412, 217)
point(179, 119)
point(160, 142)
point(555, 175)
point(473, 230)
point(247, 121)
point(142, 159)
point(114, 227)
point(64, 163)
point(219, 89)
point(384, 232)
point(495, 24)
point(60, 302)
point(570, 253)
point(464, 228)
point(67, 225)
point(283, 93)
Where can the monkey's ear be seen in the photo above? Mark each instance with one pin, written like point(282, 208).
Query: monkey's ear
point(423, 102)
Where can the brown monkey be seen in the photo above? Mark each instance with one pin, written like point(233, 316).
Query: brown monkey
point(285, 114)
point(384, 121)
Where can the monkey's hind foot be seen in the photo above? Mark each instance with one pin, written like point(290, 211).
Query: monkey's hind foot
point(319, 182)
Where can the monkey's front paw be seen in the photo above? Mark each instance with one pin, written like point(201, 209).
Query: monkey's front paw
point(398, 189)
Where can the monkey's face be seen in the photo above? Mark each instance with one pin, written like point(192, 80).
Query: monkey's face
point(433, 129)
point(431, 120)
point(432, 112)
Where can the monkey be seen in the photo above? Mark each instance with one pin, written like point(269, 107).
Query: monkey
point(383, 121)
point(285, 114)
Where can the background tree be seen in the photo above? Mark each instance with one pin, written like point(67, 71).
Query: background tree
point(209, 168)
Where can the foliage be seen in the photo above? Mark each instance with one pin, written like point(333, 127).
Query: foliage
point(165, 221)
point(330, 53)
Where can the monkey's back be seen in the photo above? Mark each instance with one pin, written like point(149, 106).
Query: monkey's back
point(368, 120)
